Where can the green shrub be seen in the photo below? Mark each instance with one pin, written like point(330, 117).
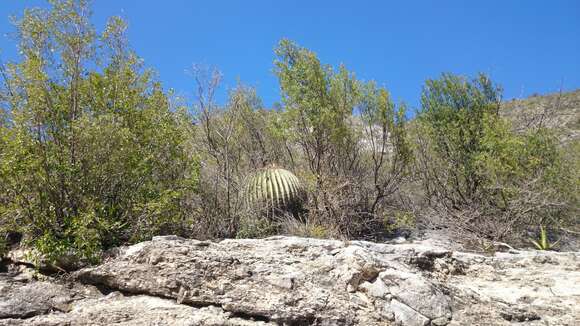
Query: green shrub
point(488, 179)
point(256, 227)
point(349, 140)
point(399, 220)
point(91, 154)
point(543, 242)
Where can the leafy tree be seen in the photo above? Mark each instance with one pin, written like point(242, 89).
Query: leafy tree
point(92, 153)
point(388, 149)
point(351, 137)
point(457, 113)
point(491, 180)
point(319, 103)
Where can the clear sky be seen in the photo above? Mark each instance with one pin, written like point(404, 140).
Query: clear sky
point(528, 46)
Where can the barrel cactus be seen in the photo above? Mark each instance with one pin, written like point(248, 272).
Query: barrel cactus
point(275, 189)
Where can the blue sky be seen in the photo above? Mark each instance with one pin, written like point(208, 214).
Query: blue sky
point(527, 46)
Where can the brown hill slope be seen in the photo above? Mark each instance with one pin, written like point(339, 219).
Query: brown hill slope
point(558, 110)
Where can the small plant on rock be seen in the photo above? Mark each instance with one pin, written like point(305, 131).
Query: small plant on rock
point(543, 243)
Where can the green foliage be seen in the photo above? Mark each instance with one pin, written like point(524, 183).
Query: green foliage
point(94, 152)
point(233, 141)
point(471, 160)
point(568, 181)
point(319, 103)
point(3, 247)
point(400, 220)
point(455, 116)
point(352, 139)
point(386, 139)
point(306, 229)
point(92, 155)
point(543, 242)
point(256, 227)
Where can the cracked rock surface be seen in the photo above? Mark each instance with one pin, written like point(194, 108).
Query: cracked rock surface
point(300, 281)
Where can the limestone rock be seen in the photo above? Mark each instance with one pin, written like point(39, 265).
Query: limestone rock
point(117, 309)
point(300, 281)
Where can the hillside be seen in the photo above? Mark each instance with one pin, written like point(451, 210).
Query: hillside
point(552, 110)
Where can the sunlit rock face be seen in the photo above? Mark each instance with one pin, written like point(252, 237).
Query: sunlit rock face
point(299, 281)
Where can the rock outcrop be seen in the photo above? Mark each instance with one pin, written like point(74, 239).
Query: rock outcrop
point(298, 281)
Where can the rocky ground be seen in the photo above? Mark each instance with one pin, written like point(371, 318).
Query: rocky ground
point(298, 281)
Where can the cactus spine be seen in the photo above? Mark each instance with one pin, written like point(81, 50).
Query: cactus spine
point(274, 188)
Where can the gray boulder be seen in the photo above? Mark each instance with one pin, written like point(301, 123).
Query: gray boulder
point(299, 281)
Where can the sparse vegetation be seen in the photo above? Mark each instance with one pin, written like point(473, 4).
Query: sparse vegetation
point(482, 176)
point(94, 154)
point(543, 243)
